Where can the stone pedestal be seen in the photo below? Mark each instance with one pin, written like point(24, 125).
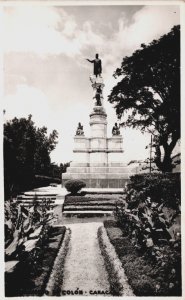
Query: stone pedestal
point(98, 160)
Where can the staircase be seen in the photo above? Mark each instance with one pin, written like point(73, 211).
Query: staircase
point(27, 199)
point(91, 204)
point(54, 195)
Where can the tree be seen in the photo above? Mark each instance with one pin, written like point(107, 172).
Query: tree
point(148, 95)
point(57, 170)
point(26, 153)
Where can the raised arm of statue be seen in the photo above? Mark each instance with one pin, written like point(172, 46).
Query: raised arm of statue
point(97, 65)
point(91, 61)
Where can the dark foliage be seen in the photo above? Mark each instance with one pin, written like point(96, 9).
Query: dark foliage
point(26, 154)
point(149, 92)
point(31, 242)
point(146, 277)
point(150, 218)
point(161, 188)
point(74, 186)
point(31, 275)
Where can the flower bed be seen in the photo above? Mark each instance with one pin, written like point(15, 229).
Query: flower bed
point(87, 198)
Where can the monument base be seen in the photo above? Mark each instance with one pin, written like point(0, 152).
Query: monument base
point(99, 176)
point(98, 159)
point(101, 182)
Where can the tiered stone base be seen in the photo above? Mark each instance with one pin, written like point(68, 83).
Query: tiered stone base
point(99, 177)
point(98, 159)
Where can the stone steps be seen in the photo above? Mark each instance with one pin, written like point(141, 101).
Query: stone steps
point(87, 205)
point(28, 198)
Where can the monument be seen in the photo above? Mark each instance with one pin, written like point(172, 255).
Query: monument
point(98, 159)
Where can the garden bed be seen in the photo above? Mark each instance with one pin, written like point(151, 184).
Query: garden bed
point(146, 277)
point(88, 207)
point(25, 280)
point(96, 197)
point(91, 202)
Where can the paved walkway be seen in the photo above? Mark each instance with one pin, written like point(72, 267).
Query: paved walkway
point(84, 267)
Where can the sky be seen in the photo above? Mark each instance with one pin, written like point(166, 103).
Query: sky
point(45, 69)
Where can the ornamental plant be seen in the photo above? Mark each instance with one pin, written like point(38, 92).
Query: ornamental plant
point(26, 232)
point(74, 186)
point(154, 227)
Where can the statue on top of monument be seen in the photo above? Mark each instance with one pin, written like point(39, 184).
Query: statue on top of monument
point(97, 65)
point(79, 130)
point(115, 129)
point(98, 96)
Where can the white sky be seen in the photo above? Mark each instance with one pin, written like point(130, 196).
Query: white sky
point(46, 74)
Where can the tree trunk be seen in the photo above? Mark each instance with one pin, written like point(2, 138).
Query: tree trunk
point(164, 163)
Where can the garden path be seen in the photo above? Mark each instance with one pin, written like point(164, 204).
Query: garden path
point(84, 266)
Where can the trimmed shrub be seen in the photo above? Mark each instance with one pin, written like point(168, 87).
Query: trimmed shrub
point(74, 186)
point(55, 281)
point(118, 281)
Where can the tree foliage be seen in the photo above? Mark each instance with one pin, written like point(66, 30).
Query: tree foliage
point(148, 95)
point(26, 153)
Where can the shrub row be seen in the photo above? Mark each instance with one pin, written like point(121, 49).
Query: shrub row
point(56, 278)
point(117, 279)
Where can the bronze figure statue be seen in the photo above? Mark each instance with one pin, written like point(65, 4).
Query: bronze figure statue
point(98, 96)
point(115, 129)
point(97, 65)
point(79, 130)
